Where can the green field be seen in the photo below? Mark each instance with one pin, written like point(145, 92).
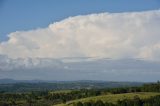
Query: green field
point(113, 98)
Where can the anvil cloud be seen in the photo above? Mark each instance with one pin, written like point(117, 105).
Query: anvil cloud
point(111, 35)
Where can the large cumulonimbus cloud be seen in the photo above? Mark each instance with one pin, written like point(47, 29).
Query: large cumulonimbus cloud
point(112, 35)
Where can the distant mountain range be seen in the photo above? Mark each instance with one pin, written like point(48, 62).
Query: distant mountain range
point(11, 85)
point(12, 81)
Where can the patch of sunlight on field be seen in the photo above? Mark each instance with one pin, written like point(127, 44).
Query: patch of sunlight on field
point(112, 98)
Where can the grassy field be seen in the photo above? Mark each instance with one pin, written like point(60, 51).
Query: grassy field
point(113, 98)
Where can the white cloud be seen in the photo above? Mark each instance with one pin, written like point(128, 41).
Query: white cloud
point(113, 35)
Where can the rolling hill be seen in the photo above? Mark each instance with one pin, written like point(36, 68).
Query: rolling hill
point(112, 98)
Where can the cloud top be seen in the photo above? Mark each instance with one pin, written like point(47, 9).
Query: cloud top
point(111, 35)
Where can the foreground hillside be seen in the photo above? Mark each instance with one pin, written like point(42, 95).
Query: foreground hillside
point(112, 98)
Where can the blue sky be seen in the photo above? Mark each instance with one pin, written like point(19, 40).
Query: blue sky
point(16, 15)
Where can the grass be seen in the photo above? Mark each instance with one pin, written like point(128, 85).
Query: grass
point(112, 98)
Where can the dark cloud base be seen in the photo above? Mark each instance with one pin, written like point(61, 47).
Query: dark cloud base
point(79, 69)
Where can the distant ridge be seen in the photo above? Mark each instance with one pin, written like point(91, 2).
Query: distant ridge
point(11, 85)
point(10, 81)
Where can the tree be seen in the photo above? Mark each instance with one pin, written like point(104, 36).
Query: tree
point(87, 104)
point(79, 104)
point(99, 103)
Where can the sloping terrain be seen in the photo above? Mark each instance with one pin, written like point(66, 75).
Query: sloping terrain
point(113, 98)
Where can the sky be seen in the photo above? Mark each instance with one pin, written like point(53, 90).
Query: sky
point(80, 40)
point(20, 15)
